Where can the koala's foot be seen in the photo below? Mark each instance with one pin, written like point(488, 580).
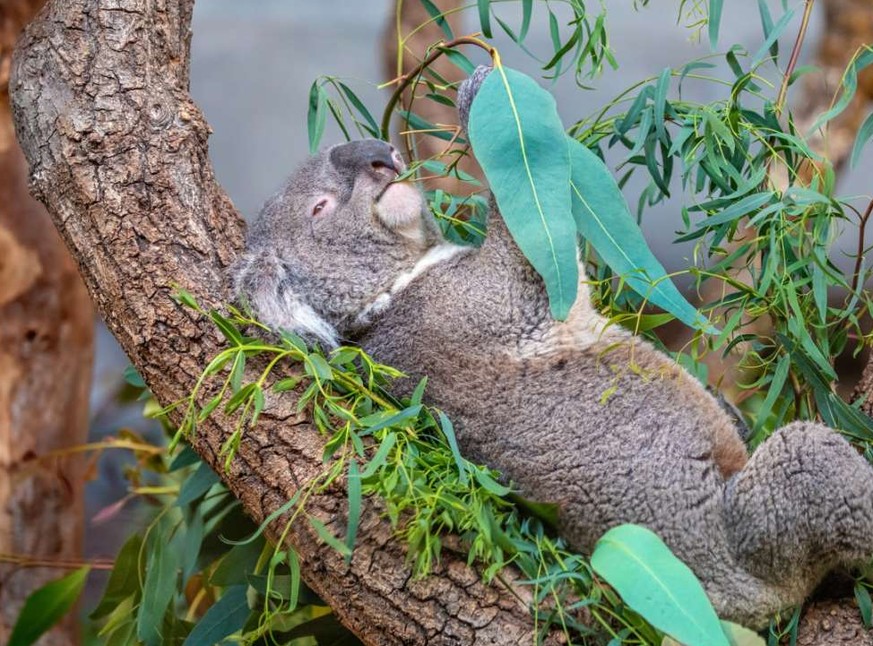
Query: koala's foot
point(802, 505)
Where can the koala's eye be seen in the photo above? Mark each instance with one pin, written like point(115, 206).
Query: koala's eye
point(318, 208)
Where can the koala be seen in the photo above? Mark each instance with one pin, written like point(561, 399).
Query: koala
point(578, 413)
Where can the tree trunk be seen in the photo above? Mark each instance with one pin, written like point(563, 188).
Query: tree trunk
point(118, 154)
point(46, 350)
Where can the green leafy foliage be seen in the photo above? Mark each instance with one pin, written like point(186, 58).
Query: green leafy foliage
point(603, 220)
point(647, 575)
point(45, 607)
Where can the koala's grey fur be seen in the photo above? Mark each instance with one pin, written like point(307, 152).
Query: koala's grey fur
point(575, 412)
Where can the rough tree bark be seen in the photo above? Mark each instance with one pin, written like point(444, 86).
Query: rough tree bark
point(46, 350)
point(118, 154)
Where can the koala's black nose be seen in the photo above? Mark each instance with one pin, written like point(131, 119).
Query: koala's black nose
point(370, 154)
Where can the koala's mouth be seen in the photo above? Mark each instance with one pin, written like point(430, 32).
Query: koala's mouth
point(399, 205)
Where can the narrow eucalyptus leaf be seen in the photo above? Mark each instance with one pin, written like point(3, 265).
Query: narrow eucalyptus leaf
point(316, 116)
point(47, 606)
point(124, 578)
point(715, 7)
point(355, 500)
point(864, 134)
point(520, 144)
point(438, 17)
point(158, 589)
point(485, 16)
point(604, 220)
point(325, 535)
point(449, 432)
point(225, 617)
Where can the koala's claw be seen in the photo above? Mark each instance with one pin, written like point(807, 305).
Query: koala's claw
point(468, 91)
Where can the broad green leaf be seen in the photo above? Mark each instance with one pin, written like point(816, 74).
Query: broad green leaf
point(864, 134)
point(604, 220)
point(657, 585)
point(225, 617)
point(124, 579)
point(520, 144)
point(158, 589)
point(47, 606)
point(489, 483)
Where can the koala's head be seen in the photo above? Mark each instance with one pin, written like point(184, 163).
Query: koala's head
point(333, 239)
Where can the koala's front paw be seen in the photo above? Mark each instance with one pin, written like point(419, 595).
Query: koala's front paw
point(468, 90)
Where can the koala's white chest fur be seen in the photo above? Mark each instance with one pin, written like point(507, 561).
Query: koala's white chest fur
point(434, 256)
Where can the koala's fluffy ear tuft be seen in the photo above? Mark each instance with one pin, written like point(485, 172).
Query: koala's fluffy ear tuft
point(270, 288)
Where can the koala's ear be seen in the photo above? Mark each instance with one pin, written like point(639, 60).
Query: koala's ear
point(272, 290)
point(322, 205)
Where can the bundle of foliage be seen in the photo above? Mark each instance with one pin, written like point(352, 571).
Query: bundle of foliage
point(761, 208)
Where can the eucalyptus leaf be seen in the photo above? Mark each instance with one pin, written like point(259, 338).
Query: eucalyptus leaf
point(520, 144)
point(124, 579)
point(158, 589)
point(604, 220)
point(224, 617)
point(47, 606)
point(864, 134)
point(657, 585)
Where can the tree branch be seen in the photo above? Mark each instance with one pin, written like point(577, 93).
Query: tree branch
point(118, 154)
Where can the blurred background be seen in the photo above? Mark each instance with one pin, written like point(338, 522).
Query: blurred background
point(253, 62)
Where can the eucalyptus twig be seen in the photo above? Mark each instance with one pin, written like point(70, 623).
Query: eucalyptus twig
point(404, 81)
point(859, 258)
point(25, 560)
point(795, 55)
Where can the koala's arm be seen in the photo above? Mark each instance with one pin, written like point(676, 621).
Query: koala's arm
point(263, 282)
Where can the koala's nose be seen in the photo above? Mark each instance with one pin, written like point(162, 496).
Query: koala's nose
point(370, 154)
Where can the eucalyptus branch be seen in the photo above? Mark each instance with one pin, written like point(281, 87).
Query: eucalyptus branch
point(859, 257)
point(404, 81)
point(25, 560)
point(795, 56)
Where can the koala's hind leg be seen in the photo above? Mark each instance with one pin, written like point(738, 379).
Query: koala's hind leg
point(802, 505)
